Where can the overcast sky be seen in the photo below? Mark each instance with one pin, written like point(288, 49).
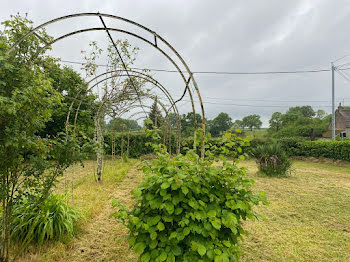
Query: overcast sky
point(234, 36)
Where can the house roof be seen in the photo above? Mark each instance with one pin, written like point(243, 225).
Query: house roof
point(346, 115)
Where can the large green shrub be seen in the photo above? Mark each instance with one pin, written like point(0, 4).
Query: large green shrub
point(189, 209)
point(53, 219)
point(272, 159)
point(324, 148)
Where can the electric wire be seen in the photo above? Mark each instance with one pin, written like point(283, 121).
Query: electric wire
point(221, 72)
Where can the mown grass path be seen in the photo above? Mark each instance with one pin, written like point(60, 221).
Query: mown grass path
point(308, 218)
point(99, 234)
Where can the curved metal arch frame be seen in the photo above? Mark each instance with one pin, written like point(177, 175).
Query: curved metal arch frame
point(142, 76)
point(161, 87)
point(177, 140)
point(156, 37)
point(148, 79)
point(155, 83)
point(142, 117)
point(150, 43)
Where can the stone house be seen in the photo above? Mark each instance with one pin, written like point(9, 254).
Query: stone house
point(342, 123)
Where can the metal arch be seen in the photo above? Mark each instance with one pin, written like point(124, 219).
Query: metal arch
point(127, 109)
point(137, 105)
point(151, 80)
point(146, 77)
point(156, 36)
point(142, 117)
point(143, 39)
point(135, 114)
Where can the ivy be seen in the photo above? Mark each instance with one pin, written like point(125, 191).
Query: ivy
point(190, 209)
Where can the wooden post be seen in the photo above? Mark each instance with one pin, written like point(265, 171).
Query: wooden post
point(113, 146)
point(122, 146)
point(128, 143)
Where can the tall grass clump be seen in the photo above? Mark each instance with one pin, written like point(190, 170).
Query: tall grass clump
point(53, 219)
point(272, 159)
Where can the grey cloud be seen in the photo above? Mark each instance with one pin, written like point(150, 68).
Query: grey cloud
point(226, 36)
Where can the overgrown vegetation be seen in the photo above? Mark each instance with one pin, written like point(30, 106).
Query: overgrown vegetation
point(53, 219)
point(28, 100)
point(272, 160)
point(299, 121)
point(189, 209)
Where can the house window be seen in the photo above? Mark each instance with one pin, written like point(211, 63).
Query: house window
point(343, 134)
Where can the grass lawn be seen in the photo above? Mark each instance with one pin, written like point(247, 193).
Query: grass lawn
point(308, 218)
point(255, 132)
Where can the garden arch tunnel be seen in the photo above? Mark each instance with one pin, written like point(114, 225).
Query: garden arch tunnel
point(157, 39)
point(142, 76)
point(167, 128)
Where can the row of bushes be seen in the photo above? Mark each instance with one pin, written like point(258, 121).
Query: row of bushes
point(294, 146)
point(299, 146)
point(137, 144)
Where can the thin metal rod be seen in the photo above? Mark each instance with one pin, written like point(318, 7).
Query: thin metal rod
point(333, 103)
point(124, 65)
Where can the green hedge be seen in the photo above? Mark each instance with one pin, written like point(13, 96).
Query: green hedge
point(137, 144)
point(295, 146)
point(301, 146)
point(331, 149)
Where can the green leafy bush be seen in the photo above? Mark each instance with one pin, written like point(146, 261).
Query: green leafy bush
point(53, 219)
point(189, 209)
point(272, 159)
point(324, 148)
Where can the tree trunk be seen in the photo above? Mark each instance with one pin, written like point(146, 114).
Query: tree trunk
point(4, 247)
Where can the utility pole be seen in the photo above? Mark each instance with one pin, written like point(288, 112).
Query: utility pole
point(333, 104)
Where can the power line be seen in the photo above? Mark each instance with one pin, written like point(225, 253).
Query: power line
point(220, 72)
point(250, 105)
point(269, 100)
point(345, 76)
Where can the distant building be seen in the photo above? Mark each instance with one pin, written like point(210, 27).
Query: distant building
point(342, 123)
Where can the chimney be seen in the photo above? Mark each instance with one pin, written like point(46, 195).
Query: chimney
point(340, 107)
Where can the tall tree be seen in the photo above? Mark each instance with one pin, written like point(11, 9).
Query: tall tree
point(30, 164)
point(155, 115)
point(299, 121)
point(187, 123)
point(321, 114)
point(305, 111)
point(238, 123)
point(252, 121)
point(220, 124)
point(73, 89)
point(276, 121)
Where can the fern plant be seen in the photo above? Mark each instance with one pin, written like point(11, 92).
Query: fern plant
point(54, 219)
point(272, 159)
